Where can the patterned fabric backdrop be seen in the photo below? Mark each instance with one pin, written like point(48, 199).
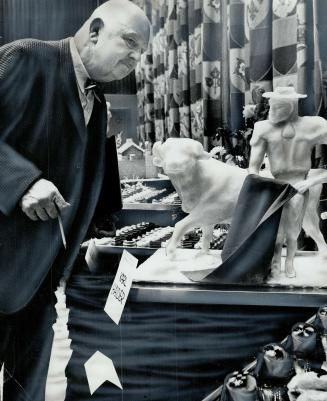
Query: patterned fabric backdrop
point(179, 78)
point(270, 43)
point(277, 43)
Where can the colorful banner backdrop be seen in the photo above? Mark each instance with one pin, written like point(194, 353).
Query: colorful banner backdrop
point(276, 43)
point(270, 43)
point(185, 84)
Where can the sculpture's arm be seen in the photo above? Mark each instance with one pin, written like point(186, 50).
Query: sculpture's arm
point(303, 186)
point(258, 150)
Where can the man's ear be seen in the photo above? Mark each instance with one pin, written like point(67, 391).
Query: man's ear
point(95, 27)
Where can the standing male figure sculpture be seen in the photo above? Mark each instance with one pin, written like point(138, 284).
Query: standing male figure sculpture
point(288, 141)
point(52, 157)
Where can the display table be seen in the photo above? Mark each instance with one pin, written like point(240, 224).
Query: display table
point(228, 295)
point(175, 341)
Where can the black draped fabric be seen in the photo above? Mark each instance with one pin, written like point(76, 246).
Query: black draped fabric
point(164, 351)
point(250, 243)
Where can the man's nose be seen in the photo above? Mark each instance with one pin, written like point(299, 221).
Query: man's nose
point(136, 55)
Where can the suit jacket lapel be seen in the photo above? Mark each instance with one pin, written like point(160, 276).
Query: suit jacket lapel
point(70, 90)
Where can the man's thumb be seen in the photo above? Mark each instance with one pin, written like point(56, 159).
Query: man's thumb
point(60, 202)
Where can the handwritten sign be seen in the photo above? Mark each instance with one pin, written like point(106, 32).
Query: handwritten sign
point(121, 286)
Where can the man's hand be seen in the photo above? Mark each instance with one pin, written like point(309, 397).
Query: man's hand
point(42, 201)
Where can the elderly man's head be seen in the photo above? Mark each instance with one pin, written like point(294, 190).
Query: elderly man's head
point(112, 39)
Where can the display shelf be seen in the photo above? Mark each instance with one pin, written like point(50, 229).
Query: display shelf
point(150, 207)
point(214, 294)
point(267, 295)
point(224, 294)
point(228, 295)
point(118, 250)
point(157, 181)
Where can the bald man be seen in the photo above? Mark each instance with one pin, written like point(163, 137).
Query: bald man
point(53, 156)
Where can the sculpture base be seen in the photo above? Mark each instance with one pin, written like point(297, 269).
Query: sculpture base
point(159, 268)
point(311, 269)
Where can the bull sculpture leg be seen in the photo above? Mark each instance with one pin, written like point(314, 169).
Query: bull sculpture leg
point(207, 234)
point(181, 228)
point(312, 229)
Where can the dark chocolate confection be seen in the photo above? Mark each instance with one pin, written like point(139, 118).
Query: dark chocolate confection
point(274, 365)
point(239, 386)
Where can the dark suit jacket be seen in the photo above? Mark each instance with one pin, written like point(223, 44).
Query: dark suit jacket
point(43, 134)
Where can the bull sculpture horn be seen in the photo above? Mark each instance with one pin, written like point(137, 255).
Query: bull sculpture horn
point(201, 153)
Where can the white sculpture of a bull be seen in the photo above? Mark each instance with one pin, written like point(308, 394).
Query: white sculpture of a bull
point(209, 190)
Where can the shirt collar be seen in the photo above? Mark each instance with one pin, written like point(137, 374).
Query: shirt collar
point(80, 71)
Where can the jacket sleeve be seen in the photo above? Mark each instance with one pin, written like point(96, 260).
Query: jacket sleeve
point(17, 173)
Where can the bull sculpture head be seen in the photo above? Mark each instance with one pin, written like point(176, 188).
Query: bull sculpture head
point(178, 155)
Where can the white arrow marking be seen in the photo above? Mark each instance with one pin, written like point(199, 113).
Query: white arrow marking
point(99, 368)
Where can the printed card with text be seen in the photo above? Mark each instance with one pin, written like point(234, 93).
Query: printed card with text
point(121, 286)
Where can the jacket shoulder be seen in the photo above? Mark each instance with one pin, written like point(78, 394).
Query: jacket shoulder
point(26, 56)
point(28, 48)
point(29, 44)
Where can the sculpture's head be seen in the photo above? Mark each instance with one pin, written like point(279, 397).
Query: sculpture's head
point(281, 110)
point(178, 155)
point(283, 103)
